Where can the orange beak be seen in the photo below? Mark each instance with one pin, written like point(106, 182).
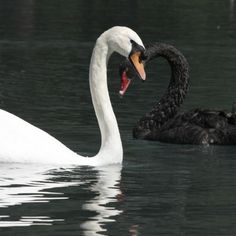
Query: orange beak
point(138, 65)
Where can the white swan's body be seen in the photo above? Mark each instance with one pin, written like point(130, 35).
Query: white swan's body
point(23, 142)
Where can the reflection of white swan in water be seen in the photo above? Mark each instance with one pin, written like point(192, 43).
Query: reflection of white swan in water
point(21, 184)
point(23, 142)
point(107, 188)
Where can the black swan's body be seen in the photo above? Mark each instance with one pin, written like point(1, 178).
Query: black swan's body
point(166, 124)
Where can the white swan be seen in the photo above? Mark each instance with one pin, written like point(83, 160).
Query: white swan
point(23, 142)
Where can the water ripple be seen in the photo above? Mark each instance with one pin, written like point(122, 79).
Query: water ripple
point(33, 184)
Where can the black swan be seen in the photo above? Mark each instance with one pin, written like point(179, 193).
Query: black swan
point(165, 123)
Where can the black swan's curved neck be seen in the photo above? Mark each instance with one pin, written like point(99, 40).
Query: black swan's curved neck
point(167, 106)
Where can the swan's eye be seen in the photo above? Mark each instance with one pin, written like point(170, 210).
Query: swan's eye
point(136, 47)
point(134, 44)
point(143, 56)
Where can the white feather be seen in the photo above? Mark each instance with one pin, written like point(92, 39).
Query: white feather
point(23, 142)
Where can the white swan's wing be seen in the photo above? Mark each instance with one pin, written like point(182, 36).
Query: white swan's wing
point(23, 142)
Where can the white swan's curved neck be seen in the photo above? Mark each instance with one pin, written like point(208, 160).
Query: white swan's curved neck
point(111, 146)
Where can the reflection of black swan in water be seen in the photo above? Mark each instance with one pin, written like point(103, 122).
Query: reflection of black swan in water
point(164, 122)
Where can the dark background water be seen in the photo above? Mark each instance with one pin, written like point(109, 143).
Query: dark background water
point(161, 189)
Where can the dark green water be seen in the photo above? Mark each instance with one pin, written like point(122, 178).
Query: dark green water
point(161, 189)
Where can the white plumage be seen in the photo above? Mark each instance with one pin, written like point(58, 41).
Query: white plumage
point(23, 142)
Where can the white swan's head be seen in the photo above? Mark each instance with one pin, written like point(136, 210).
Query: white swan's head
point(122, 40)
point(127, 43)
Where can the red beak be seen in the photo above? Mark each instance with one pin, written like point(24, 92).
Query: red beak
point(125, 82)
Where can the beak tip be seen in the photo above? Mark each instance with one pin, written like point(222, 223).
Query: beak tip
point(121, 94)
point(143, 76)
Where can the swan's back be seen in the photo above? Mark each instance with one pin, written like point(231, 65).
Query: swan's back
point(22, 142)
point(199, 126)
